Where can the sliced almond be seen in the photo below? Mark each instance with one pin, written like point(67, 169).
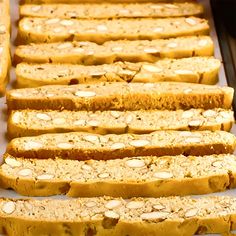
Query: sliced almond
point(195, 123)
point(202, 42)
point(217, 164)
point(36, 8)
point(25, 172)
point(158, 207)
point(115, 114)
point(32, 145)
point(154, 215)
point(12, 162)
point(135, 204)
point(57, 30)
point(103, 175)
point(79, 122)
point(3, 29)
point(116, 146)
point(117, 49)
point(172, 45)
point(113, 204)
point(163, 175)
point(93, 123)
point(65, 145)
point(85, 94)
point(78, 50)
point(124, 11)
point(191, 21)
point(102, 28)
point(52, 21)
point(151, 50)
point(91, 138)
point(66, 22)
point(153, 69)
point(97, 73)
point(187, 114)
point(135, 163)
point(158, 30)
point(43, 116)
point(139, 143)
point(209, 113)
point(156, 7)
point(191, 213)
point(128, 119)
point(187, 91)
point(86, 167)
point(184, 72)
point(25, 26)
point(226, 114)
point(171, 6)
point(193, 140)
point(72, 31)
point(9, 207)
point(90, 204)
point(45, 177)
point(112, 215)
point(59, 121)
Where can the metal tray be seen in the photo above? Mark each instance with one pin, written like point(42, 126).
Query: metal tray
point(3, 117)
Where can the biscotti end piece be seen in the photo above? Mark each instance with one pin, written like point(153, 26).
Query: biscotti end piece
point(121, 96)
point(35, 122)
point(160, 176)
point(115, 216)
point(88, 53)
point(85, 146)
point(46, 30)
point(202, 70)
point(108, 10)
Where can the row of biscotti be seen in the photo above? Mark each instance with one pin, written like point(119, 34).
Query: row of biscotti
point(115, 216)
point(5, 57)
point(106, 10)
point(39, 30)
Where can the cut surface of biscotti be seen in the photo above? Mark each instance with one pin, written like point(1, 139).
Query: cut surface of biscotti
point(89, 53)
point(159, 176)
point(85, 146)
point(42, 30)
point(202, 70)
point(106, 216)
point(34, 122)
point(107, 10)
point(121, 96)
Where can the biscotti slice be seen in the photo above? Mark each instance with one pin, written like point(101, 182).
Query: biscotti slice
point(89, 53)
point(108, 10)
point(85, 146)
point(106, 216)
point(121, 96)
point(202, 70)
point(159, 176)
point(33, 122)
point(42, 30)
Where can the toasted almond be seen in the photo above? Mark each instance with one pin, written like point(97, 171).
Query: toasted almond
point(135, 204)
point(151, 50)
point(90, 204)
point(191, 212)
point(59, 121)
point(12, 162)
point(9, 207)
point(66, 22)
point(135, 163)
point(116, 146)
point(64, 145)
point(36, 8)
point(45, 177)
point(25, 172)
point(112, 215)
point(113, 204)
point(190, 21)
point(187, 114)
point(103, 175)
point(86, 167)
point(43, 116)
point(32, 145)
point(91, 138)
point(163, 175)
point(52, 21)
point(85, 94)
point(154, 215)
point(209, 113)
point(139, 143)
point(195, 123)
point(172, 45)
point(151, 68)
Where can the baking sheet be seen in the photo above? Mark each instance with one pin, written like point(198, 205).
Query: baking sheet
point(3, 117)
